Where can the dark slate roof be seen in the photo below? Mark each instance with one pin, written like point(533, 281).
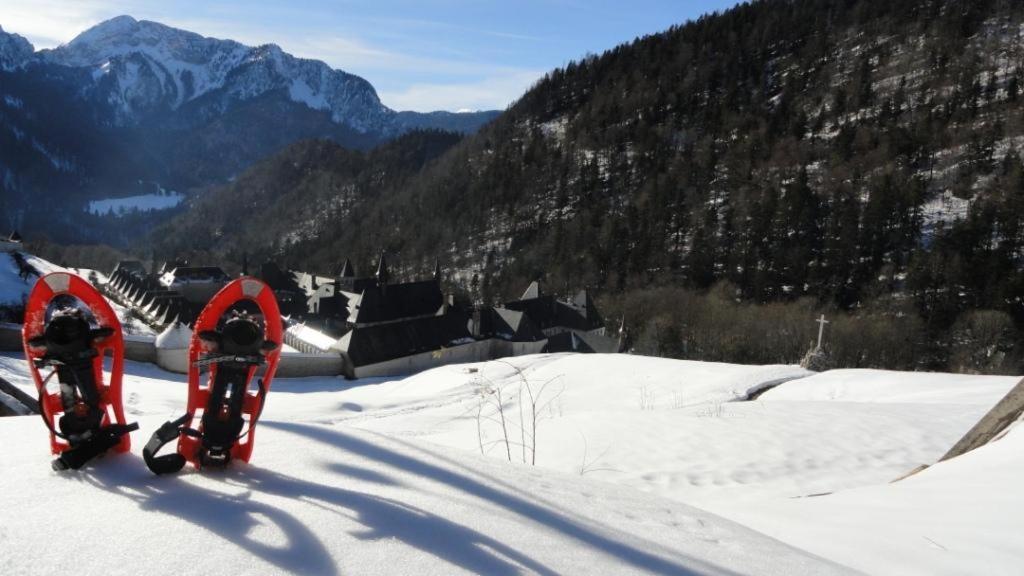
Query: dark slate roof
point(132, 267)
point(509, 324)
point(355, 285)
point(565, 342)
point(547, 312)
point(585, 307)
point(374, 344)
point(330, 302)
point(347, 270)
point(171, 265)
point(277, 278)
point(199, 273)
point(573, 341)
point(398, 301)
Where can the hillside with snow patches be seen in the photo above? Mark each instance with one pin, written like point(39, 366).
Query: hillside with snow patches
point(643, 466)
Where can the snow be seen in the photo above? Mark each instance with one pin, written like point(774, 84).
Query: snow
point(13, 289)
point(176, 336)
point(945, 208)
point(555, 128)
point(141, 202)
point(643, 465)
point(325, 499)
point(884, 386)
point(173, 55)
point(149, 65)
point(312, 336)
point(59, 163)
point(299, 91)
point(962, 516)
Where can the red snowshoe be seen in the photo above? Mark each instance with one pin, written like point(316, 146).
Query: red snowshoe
point(238, 333)
point(69, 329)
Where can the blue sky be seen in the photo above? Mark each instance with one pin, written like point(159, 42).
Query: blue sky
point(420, 55)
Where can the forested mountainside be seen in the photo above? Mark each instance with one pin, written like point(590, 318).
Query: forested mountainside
point(315, 186)
point(133, 108)
point(863, 154)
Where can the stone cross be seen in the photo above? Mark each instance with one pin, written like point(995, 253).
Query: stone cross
point(821, 329)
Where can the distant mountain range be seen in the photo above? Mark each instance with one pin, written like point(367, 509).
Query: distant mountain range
point(130, 106)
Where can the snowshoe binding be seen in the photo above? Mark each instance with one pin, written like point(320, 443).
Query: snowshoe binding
point(69, 329)
point(236, 341)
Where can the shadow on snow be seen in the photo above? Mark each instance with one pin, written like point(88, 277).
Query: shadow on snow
point(230, 517)
point(535, 512)
point(233, 517)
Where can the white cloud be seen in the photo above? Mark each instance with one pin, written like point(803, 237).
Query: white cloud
point(478, 85)
point(48, 23)
point(489, 93)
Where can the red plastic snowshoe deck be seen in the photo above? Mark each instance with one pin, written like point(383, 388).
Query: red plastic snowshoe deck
point(199, 386)
point(46, 289)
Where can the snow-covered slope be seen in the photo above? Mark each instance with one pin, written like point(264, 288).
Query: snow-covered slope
point(962, 516)
point(348, 473)
point(889, 387)
point(669, 428)
point(331, 499)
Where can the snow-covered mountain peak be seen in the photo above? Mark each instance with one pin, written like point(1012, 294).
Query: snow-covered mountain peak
point(15, 50)
point(116, 28)
point(124, 35)
point(147, 67)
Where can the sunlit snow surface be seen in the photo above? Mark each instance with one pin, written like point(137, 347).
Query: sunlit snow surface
point(141, 203)
point(644, 465)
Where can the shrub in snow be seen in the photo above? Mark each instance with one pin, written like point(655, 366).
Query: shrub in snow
point(816, 359)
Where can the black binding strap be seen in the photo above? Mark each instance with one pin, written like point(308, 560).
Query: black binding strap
point(169, 432)
point(86, 437)
point(235, 348)
point(97, 442)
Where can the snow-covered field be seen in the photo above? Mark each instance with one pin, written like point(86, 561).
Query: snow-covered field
point(643, 465)
point(141, 203)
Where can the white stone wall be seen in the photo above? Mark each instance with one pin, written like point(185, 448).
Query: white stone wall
point(476, 352)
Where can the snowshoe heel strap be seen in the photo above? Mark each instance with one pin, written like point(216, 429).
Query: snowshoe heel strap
point(168, 463)
point(98, 442)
